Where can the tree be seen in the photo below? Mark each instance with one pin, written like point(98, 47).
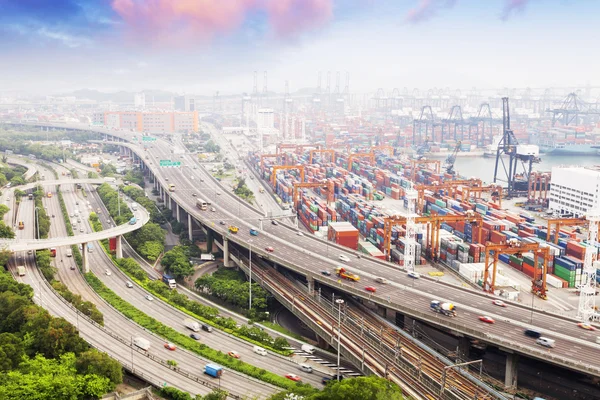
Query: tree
point(4, 256)
point(362, 388)
point(150, 232)
point(177, 263)
point(6, 232)
point(97, 363)
point(3, 210)
point(151, 250)
point(217, 394)
point(11, 351)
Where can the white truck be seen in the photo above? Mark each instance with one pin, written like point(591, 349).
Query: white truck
point(69, 253)
point(142, 343)
point(21, 270)
point(191, 324)
point(110, 179)
point(207, 257)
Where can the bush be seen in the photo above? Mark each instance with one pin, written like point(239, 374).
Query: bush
point(86, 307)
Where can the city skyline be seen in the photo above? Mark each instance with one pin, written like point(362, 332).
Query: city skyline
point(182, 47)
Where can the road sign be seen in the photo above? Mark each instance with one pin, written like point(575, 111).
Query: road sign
point(148, 139)
point(169, 163)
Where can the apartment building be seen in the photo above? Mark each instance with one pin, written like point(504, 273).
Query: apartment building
point(157, 122)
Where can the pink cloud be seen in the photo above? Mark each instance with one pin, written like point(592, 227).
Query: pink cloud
point(426, 9)
point(513, 6)
point(170, 21)
point(289, 17)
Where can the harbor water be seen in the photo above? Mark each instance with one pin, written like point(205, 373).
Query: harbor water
point(483, 168)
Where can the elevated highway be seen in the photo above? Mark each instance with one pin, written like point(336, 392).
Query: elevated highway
point(575, 348)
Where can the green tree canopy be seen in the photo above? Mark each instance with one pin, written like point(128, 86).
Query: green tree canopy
point(97, 363)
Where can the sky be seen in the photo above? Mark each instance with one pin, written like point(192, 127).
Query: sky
point(203, 46)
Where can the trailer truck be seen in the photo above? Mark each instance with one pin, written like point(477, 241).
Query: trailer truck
point(213, 370)
point(170, 281)
point(191, 324)
point(447, 309)
point(342, 273)
point(21, 270)
point(142, 343)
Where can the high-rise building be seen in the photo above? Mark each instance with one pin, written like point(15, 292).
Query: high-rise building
point(574, 190)
point(184, 103)
point(265, 121)
point(139, 101)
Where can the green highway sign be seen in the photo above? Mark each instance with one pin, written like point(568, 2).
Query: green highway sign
point(169, 163)
point(148, 139)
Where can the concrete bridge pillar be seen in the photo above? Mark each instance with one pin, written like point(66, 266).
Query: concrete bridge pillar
point(322, 343)
point(119, 247)
point(510, 375)
point(390, 315)
point(177, 212)
point(226, 252)
point(190, 237)
point(311, 285)
point(209, 240)
point(84, 258)
point(462, 350)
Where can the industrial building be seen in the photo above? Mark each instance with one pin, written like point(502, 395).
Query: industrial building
point(157, 122)
point(574, 190)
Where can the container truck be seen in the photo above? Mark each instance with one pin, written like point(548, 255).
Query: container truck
point(142, 343)
point(213, 370)
point(447, 309)
point(21, 270)
point(191, 324)
point(207, 257)
point(342, 273)
point(169, 280)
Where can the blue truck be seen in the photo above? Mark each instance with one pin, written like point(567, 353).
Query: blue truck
point(169, 280)
point(133, 221)
point(213, 370)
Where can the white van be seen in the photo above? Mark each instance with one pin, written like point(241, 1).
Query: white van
point(307, 348)
point(69, 253)
point(544, 341)
point(306, 368)
point(259, 350)
point(380, 280)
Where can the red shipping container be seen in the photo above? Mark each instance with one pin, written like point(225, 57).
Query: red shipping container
point(497, 237)
point(525, 234)
point(528, 270)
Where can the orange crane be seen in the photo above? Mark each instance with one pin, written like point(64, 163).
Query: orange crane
point(494, 190)
point(423, 163)
point(450, 188)
point(351, 157)
point(514, 246)
point(282, 146)
point(558, 222)
point(279, 167)
point(303, 146)
point(328, 185)
point(433, 228)
point(324, 151)
point(263, 156)
point(389, 149)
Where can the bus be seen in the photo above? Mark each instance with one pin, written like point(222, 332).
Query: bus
point(171, 188)
point(201, 204)
point(21, 270)
point(53, 252)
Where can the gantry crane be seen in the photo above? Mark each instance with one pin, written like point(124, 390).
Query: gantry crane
point(556, 223)
point(494, 190)
point(434, 224)
point(514, 246)
point(450, 188)
point(301, 147)
point(276, 168)
point(389, 149)
point(327, 185)
point(323, 151)
point(281, 146)
point(449, 164)
point(423, 163)
point(370, 156)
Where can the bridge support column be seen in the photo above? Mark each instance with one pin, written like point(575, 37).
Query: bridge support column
point(390, 315)
point(510, 375)
point(311, 285)
point(190, 237)
point(462, 350)
point(225, 252)
point(177, 211)
point(322, 343)
point(119, 247)
point(84, 258)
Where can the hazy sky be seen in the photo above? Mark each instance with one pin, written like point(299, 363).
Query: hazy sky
point(199, 46)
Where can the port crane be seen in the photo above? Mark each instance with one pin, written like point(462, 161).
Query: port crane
point(449, 165)
point(554, 224)
point(323, 151)
point(516, 247)
point(327, 185)
point(423, 163)
point(300, 168)
point(351, 157)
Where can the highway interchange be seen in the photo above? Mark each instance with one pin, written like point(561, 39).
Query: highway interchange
point(313, 256)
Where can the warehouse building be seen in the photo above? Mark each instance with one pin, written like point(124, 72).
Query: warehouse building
point(574, 190)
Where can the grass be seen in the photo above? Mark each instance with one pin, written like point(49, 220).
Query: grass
point(281, 329)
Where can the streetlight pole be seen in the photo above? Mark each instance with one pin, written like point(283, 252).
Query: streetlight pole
point(250, 278)
point(339, 303)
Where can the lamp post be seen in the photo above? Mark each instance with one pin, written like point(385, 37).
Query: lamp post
point(339, 303)
point(250, 278)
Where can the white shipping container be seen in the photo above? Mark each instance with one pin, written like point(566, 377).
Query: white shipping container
point(553, 281)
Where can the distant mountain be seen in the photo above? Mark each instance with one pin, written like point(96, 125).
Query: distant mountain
point(121, 96)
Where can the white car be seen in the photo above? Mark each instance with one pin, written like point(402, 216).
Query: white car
point(414, 275)
point(299, 233)
point(149, 298)
point(107, 272)
point(344, 258)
